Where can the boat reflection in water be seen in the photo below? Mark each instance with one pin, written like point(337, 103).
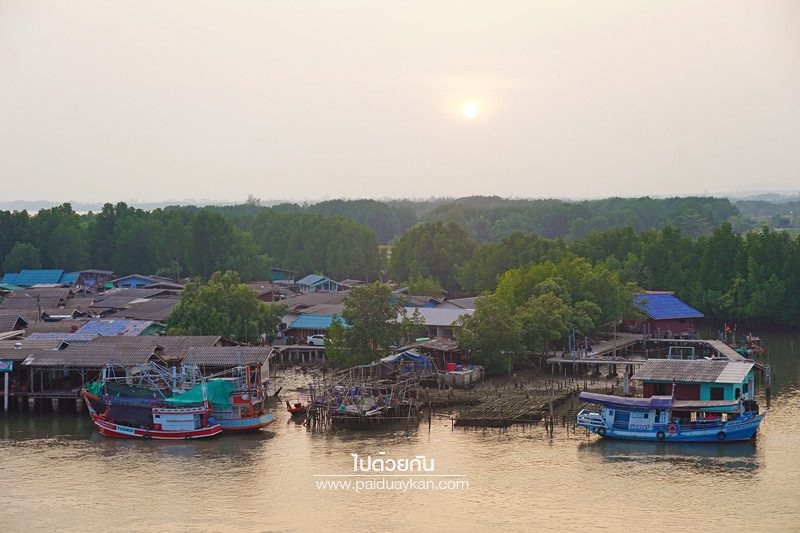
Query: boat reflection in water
point(708, 458)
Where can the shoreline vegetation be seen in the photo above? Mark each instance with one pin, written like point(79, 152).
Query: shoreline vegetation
point(545, 266)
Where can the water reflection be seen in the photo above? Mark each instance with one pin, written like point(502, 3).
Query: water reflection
point(708, 458)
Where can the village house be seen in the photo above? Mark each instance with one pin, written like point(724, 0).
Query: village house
point(52, 277)
point(318, 283)
point(666, 315)
point(282, 276)
point(697, 379)
point(136, 281)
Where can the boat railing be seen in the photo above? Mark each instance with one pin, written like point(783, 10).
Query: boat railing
point(591, 418)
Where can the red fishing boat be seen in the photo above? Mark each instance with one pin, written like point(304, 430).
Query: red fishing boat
point(297, 409)
point(117, 412)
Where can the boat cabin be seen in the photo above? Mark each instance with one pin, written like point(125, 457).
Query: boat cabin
point(698, 380)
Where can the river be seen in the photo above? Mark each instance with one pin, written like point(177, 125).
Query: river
point(59, 474)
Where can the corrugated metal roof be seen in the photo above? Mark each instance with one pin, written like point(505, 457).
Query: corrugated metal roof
point(693, 371)
point(11, 323)
point(438, 316)
point(43, 292)
point(157, 309)
point(228, 355)
point(323, 310)
point(56, 326)
point(89, 355)
point(315, 298)
point(313, 322)
point(172, 345)
point(70, 278)
point(115, 327)
point(61, 336)
point(31, 276)
point(662, 306)
point(11, 278)
point(23, 302)
point(735, 372)
point(312, 279)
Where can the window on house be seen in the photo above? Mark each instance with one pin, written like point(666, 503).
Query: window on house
point(660, 389)
point(738, 393)
point(717, 393)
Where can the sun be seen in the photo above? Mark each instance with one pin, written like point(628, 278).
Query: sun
point(470, 110)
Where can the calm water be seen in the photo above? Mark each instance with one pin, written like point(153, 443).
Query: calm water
point(58, 474)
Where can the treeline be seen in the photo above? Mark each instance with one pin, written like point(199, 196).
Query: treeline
point(694, 216)
point(491, 218)
point(752, 277)
point(186, 241)
point(539, 306)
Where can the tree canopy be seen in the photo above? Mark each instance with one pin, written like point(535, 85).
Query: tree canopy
point(224, 306)
point(370, 325)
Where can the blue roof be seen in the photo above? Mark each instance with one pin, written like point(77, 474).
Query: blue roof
point(312, 279)
point(314, 322)
point(30, 276)
point(61, 336)
point(112, 328)
point(70, 278)
point(665, 305)
point(11, 277)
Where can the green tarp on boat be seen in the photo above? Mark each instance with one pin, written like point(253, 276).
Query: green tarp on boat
point(218, 392)
point(95, 388)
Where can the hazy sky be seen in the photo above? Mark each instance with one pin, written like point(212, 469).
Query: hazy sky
point(109, 100)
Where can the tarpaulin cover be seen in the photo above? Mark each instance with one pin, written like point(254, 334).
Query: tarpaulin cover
point(95, 388)
point(218, 392)
point(419, 362)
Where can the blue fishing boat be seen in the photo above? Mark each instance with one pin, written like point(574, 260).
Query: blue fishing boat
point(663, 418)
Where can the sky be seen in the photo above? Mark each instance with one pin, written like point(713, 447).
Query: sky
point(126, 100)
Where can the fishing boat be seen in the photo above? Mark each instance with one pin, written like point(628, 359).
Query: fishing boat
point(237, 397)
point(123, 410)
point(664, 418)
point(296, 408)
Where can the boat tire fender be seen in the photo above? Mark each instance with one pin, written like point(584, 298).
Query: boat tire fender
point(721, 435)
point(660, 435)
point(601, 432)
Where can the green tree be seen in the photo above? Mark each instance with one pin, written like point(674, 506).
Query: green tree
point(224, 306)
point(67, 248)
point(22, 255)
point(492, 334)
point(370, 326)
point(424, 286)
point(432, 250)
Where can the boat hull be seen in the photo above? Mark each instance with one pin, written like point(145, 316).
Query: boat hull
point(110, 429)
point(247, 424)
point(733, 431)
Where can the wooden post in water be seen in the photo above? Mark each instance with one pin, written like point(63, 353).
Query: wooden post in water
point(5, 392)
